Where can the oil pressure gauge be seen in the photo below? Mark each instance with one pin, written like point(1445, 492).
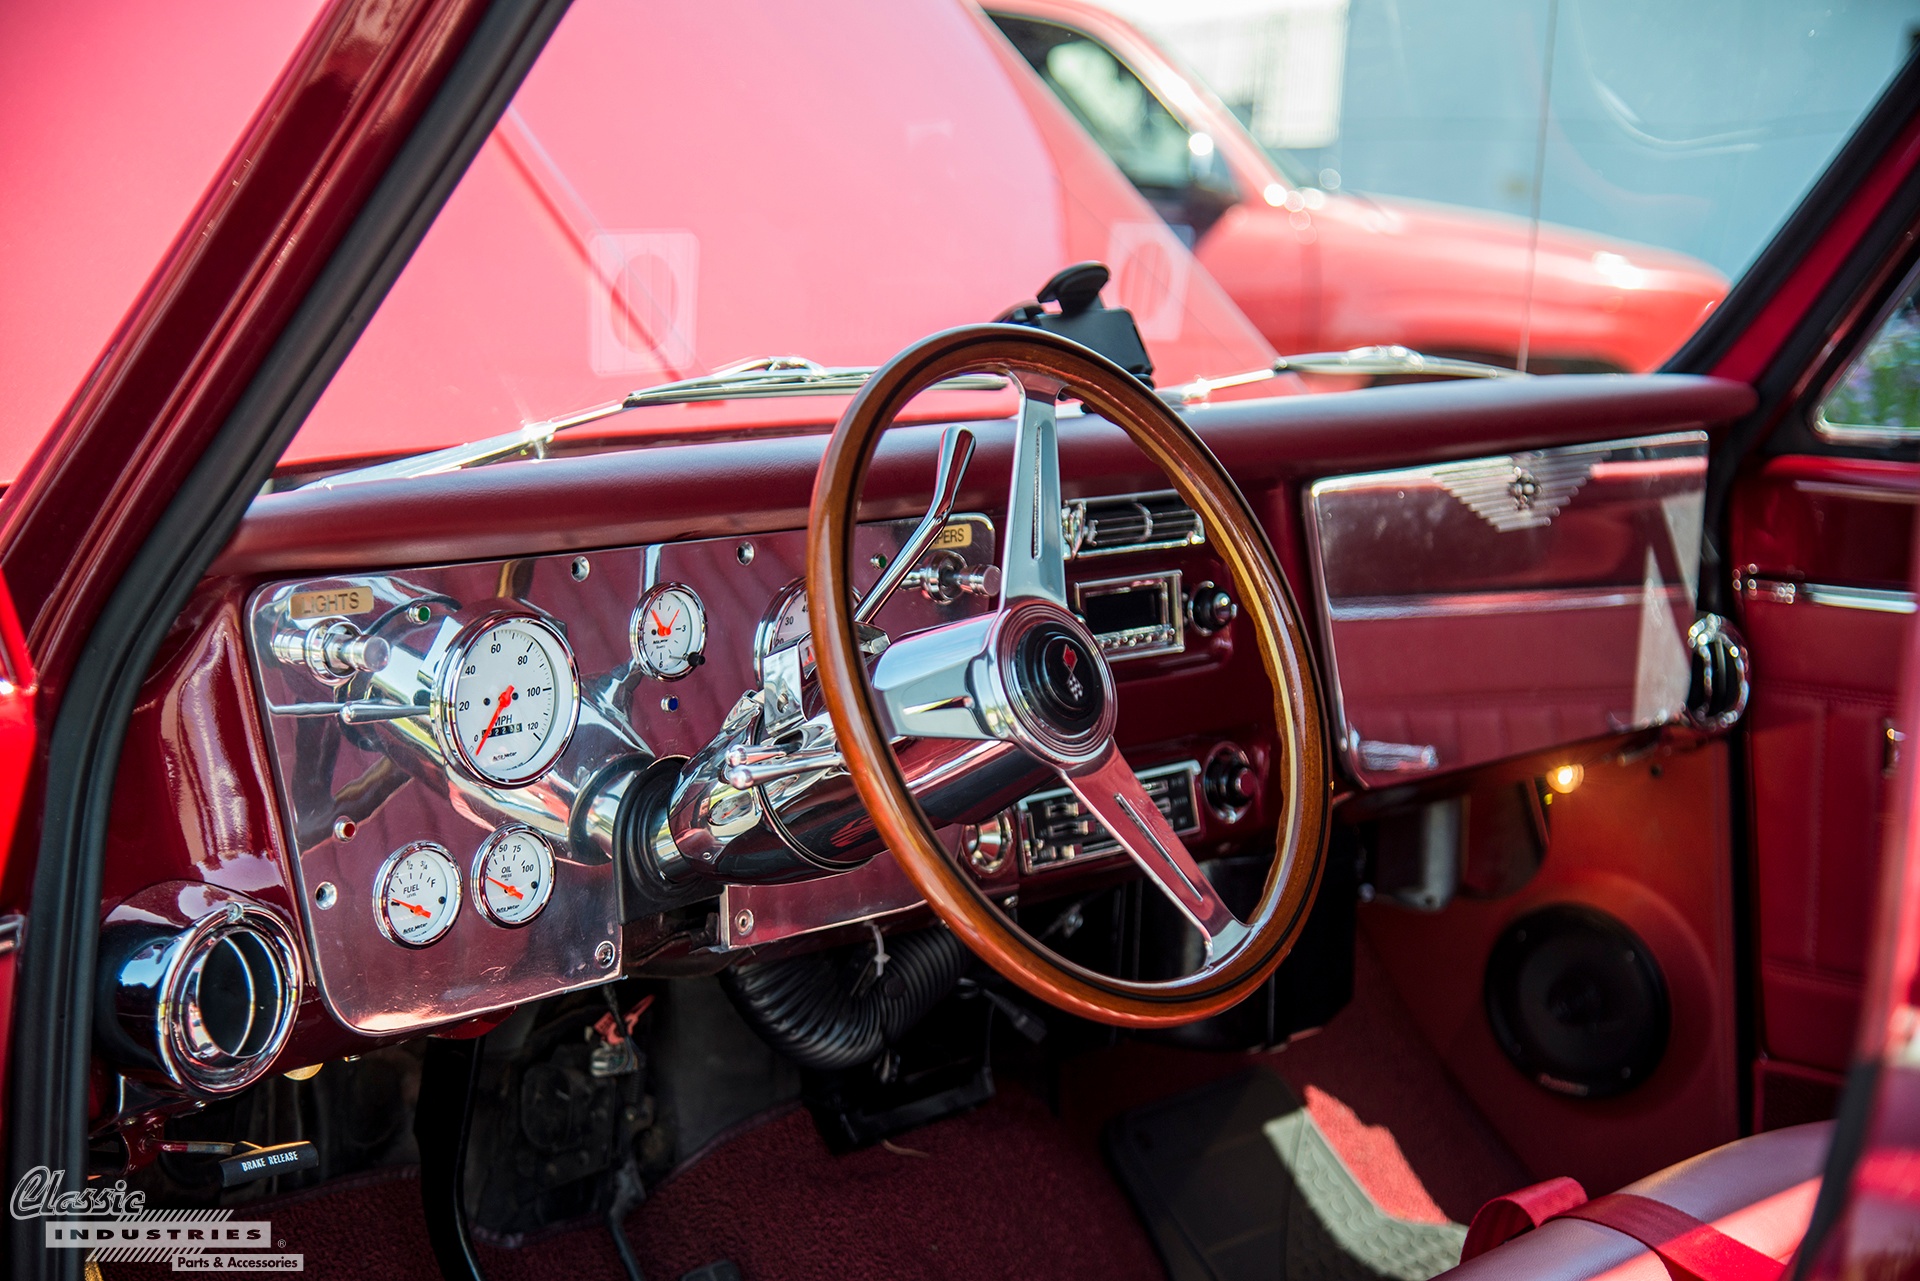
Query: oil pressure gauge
point(416, 895)
point(512, 875)
point(669, 631)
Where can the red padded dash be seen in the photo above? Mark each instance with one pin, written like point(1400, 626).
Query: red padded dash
point(1692, 1250)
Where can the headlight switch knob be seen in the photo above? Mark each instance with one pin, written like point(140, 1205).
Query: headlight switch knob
point(1211, 608)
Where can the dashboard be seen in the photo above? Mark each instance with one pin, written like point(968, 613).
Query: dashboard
point(301, 786)
point(439, 736)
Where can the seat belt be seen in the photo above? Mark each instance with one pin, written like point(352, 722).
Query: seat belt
point(1691, 1250)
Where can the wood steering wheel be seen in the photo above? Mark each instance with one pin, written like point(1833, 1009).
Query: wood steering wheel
point(1030, 673)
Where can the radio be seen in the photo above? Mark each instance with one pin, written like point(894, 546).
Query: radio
point(1133, 617)
point(1055, 828)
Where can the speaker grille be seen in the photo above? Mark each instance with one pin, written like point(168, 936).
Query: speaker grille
point(1577, 1001)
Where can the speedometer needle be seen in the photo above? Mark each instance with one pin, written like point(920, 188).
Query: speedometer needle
point(508, 888)
point(506, 696)
point(417, 911)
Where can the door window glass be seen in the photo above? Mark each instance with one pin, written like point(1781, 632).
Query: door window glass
point(1878, 398)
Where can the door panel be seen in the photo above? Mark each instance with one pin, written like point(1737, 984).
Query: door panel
point(1824, 547)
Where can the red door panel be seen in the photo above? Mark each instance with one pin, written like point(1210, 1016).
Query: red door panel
point(1824, 546)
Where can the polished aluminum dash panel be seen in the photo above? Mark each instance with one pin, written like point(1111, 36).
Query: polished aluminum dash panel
point(1494, 607)
point(389, 780)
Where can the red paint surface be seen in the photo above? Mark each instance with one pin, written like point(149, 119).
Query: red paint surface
point(19, 694)
point(576, 503)
point(903, 185)
point(88, 498)
point(121, 113)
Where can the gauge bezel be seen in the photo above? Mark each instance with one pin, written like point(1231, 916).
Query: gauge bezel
point(697, 643)
point(474, 877)
point(763, 644)
point(449, 677)
point(381, 877)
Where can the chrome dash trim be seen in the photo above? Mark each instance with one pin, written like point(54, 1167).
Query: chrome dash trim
point(1356, 609)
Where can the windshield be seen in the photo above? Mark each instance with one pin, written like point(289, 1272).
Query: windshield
point(675, 189)
point(1558, 186)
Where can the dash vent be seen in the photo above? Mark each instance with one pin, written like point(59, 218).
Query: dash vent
point(1130, 523)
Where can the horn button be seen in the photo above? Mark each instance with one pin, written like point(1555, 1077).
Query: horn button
point(1059, 674)
point(1050, 688)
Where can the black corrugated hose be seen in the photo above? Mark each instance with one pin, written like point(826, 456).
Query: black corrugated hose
point(828, 1011)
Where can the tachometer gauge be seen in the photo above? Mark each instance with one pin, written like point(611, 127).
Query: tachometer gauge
point(509, 695)
point(512, 875)
point(669, 631)
point(784, 623)
point(416, 896)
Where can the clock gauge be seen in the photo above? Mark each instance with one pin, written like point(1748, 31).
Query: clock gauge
point(508, 698)
point(669, 631)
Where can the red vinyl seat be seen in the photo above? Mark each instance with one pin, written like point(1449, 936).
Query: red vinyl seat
point(1758, 1190)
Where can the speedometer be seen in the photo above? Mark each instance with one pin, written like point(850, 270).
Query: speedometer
point(508, 697)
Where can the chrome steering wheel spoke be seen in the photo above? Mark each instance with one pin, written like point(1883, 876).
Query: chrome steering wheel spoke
point(1110, 789)
point(922, 682)
point(1034, 559)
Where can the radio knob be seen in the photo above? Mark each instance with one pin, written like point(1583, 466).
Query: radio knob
point(1230, 782)
point(1211, 608)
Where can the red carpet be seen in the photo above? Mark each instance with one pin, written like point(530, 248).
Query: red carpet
point(1001, 1192)
point(1373, 1085)
point(1007, 1191)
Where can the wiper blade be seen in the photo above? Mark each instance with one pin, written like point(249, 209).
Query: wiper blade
point(783, 376)
point(763, 378)
point(1360, 362)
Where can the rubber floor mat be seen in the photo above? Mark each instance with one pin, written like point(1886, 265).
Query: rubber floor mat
point(1236, 1182)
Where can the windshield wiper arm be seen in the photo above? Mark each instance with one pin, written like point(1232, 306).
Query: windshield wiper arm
point(762, 378)
point(1360, 362)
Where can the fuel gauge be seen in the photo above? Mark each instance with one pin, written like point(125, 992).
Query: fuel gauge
point(416, 896)
point(512, 875)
